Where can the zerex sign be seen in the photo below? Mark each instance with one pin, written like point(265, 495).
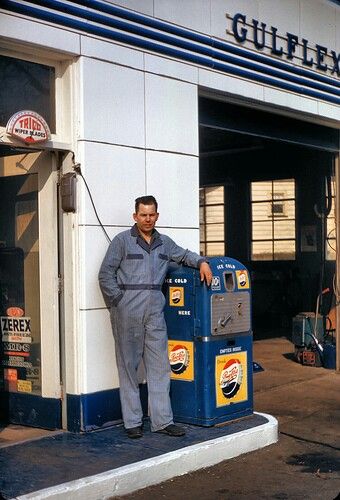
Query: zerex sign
point(16, 330)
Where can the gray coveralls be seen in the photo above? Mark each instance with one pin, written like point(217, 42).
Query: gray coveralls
point(131, 278)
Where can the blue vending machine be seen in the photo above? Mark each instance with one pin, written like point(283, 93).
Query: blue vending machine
point(210, 343)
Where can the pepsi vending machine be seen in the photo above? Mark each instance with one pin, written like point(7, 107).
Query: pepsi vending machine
point(210, 343)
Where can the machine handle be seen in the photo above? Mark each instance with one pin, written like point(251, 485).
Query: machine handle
point(223, 321)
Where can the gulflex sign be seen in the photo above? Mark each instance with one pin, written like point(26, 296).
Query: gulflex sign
point(29, 127)
point(260, 36)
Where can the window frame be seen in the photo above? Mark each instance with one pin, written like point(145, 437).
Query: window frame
point(63, 77)
point(203, 206)
point(273, 218)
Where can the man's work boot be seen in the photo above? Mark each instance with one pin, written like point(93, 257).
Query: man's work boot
point(134, 432)
point(172, 430)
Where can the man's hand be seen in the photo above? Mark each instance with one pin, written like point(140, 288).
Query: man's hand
point(205, 273)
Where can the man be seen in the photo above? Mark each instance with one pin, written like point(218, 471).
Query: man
point(131, 278)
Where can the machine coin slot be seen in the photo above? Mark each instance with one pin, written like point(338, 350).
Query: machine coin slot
point(231, 343)
point(229, 281)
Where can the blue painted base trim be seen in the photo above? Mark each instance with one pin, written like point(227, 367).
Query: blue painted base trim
point(31, 410)
point(87, 412)
point(209, 422)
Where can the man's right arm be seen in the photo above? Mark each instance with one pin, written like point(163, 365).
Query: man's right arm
point(108, 273)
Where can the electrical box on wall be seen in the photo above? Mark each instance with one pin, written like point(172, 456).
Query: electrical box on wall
point(68, 192)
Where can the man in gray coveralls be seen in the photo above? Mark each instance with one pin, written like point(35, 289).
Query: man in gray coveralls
point(131, 278)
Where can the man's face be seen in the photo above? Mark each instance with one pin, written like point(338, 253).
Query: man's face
point(146, 218)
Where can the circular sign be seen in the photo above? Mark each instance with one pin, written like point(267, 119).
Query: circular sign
point(14, 311)
point(179, 359)
point(29, 127)
point(231, 378)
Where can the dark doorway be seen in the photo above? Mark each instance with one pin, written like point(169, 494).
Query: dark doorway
point(278, 207)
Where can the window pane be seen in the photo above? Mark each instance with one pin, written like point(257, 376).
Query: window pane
point(214, 195)
point(285, 187)
point(284, 250)
point(262, 250)
point(214, 214)
point(278, 213)
point(284, 229)
point(202, 196)
point(331, 228)
point(20, 350)
point(215, 249)
point(261, 191)
point(289, 209)
point(26, 85)
point(331, 249)
point(212, 220)
point(201, 215)
point(261, 211)
point(262, 230)
point(215, 232)
point(332, 212)
point(278, 207)
point(202, 232)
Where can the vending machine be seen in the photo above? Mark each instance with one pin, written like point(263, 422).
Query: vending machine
point(210, 343)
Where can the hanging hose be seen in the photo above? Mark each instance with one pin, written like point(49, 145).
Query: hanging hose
point(323, 214)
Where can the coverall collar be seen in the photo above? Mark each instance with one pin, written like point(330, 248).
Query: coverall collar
point(155, 242)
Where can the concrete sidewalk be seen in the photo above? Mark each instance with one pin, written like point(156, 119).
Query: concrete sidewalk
point(105, 464)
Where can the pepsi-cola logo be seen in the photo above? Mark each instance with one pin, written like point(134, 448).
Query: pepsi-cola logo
point(176, 296)
point(179, 359)
point(242, 279)
point(231, 378)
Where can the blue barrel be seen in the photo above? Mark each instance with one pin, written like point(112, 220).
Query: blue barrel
point(329, 355)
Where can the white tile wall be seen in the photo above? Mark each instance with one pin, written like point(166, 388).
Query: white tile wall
point(22, 30)
point(100, 366)
point(193, 14)
point(318, 19)
point(115, 176)
point(231, 85)
point(113, 103)
point(168, 67)
point(171, 115)
point(177, 193)
point(291, 101)
point(219, 9)
point(337, 31)
point(186, 238)
point(328, 110)
point(92, 47)
point(285, 16)
point(94, 247)
point(144, 6)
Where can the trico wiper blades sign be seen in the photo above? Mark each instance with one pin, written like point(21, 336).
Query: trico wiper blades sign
point(29, 127)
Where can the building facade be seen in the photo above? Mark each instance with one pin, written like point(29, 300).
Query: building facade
point(154, 97)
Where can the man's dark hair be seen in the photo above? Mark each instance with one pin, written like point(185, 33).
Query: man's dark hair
point(145, 200)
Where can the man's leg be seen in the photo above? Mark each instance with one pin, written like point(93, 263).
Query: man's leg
point(128, 335)
point(157, 367)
